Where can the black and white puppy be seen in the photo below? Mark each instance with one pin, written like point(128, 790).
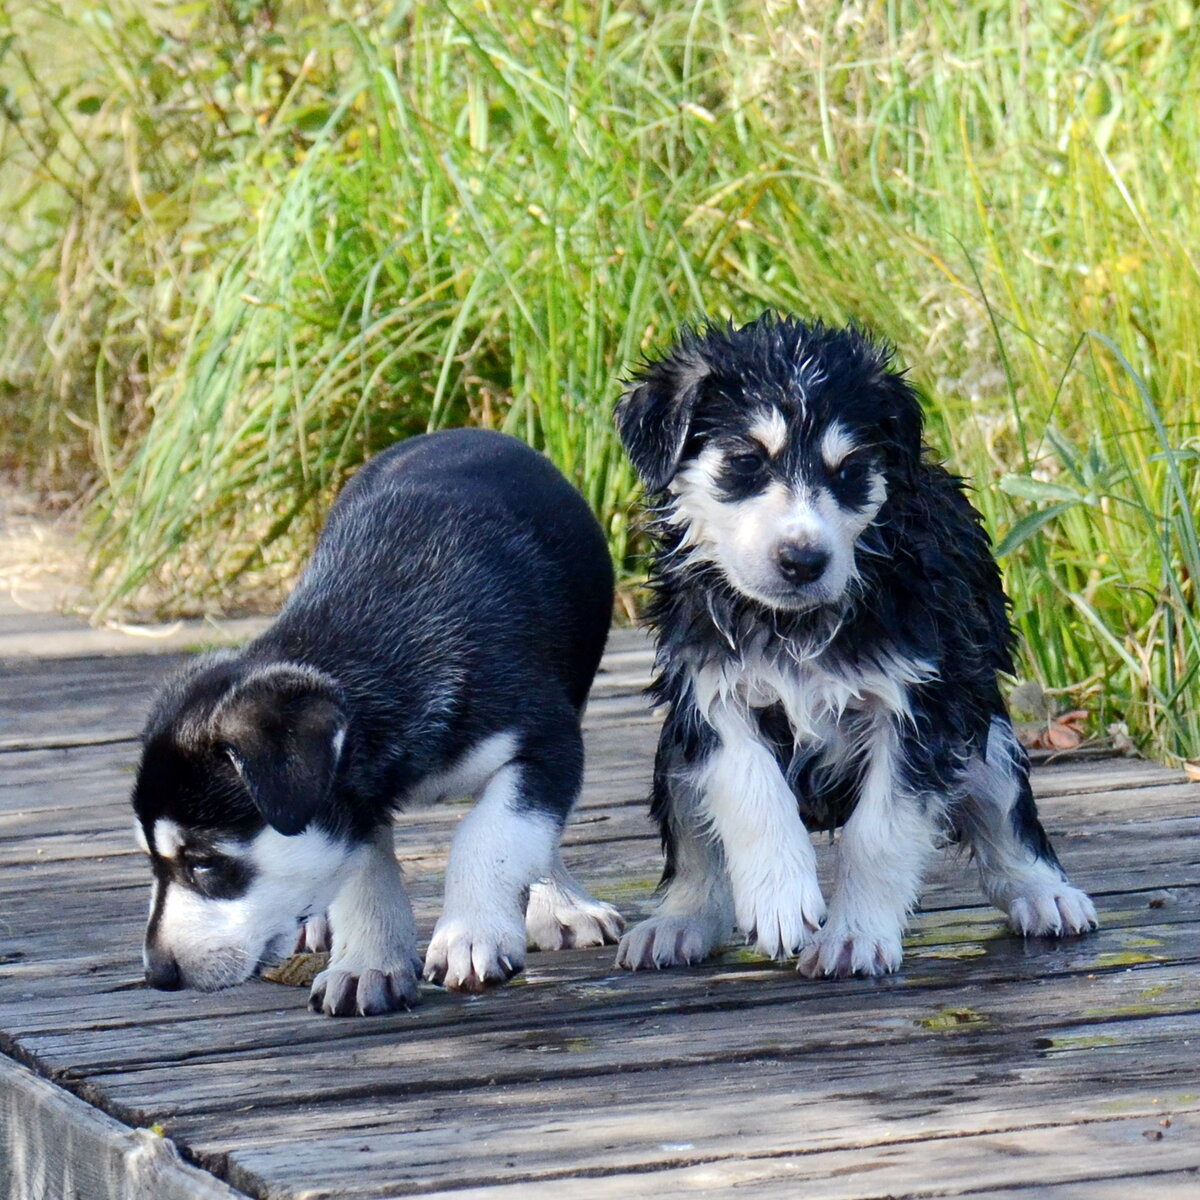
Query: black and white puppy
point(830, 626)
point(440, 644)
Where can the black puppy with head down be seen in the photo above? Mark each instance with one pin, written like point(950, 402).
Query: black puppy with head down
point(440, 644)
point(830, 628)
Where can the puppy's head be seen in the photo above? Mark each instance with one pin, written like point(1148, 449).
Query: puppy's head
point(232, 805)
point(771, 449)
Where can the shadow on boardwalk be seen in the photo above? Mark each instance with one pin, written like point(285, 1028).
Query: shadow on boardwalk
point(987, 1067)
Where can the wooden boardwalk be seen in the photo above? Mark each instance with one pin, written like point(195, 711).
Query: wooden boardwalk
point(988, 1067)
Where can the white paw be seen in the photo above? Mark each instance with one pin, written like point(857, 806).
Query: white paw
point(840, 950)
point(358, 990)
point(666, 941)
point(560, 919)
point(780, 916)
point(316, 936)
point(1052, 911)
point(469, 956)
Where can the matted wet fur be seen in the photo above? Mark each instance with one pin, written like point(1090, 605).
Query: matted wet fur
point(440, 645)
point(830, 626)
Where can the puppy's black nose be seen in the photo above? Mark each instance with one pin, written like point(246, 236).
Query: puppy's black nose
point(162, 971)
point(801, 564)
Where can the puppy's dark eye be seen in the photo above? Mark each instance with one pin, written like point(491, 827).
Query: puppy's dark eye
point(851, 470)
point(745, 465)
point(204, 868)
point(218, 876)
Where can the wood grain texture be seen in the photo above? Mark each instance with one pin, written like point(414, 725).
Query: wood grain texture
point(56, 1147)
point(989, 1066)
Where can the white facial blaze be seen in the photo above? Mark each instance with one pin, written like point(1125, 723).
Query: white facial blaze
point(219, 942)
point(744, 537)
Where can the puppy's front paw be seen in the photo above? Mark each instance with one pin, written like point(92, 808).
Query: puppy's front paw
point(840, 950)
point(561, 919)
point(1052, 911)
point(780, 917)
point(361, 991)
point(468, 957)
point(668, 941)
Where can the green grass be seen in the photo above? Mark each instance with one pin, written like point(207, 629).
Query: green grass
point(251, 246)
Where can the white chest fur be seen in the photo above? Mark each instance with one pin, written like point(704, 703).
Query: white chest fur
point(815, 695)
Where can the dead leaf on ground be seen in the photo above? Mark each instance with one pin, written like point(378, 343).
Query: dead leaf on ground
point(1065, 732)
point(298, 971)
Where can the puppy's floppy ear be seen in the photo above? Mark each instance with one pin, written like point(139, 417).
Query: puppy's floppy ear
point(655, 416)
point(283, 729)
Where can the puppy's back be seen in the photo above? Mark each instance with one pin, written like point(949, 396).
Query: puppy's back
point(449, 534)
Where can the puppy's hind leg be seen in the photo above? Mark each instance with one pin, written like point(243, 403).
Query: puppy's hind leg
point(1018, 868)
point(316, 935)
point(501, 848)
point(373, 967)
point(561, 915)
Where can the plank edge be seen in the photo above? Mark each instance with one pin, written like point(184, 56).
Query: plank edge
point(54, 1144)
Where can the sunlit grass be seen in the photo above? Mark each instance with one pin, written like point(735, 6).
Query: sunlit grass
point(257, 264)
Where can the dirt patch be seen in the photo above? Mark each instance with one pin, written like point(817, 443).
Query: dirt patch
point(43, 561)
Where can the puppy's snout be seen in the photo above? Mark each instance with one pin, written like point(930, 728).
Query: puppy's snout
point(800, 563)
point(162, 971)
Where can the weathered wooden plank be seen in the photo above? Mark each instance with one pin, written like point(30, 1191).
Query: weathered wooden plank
point(1152, 1185)
point(52, 703)
point(90, 960)
point(729, 1144)
point(597, 819)
point(834, 1101)
point(57, 909)
point(54, 1146)
point(977, 1069)
point(949, 949)
point(36, 799)
point(238, 1039)
point(981, 1036)
point(571, 987)
point(397, 1057)
point(36, 638)
point(57, 786)
point(64, 918)
point(849, 1098)
point(1083, 1152)
point(65, 692)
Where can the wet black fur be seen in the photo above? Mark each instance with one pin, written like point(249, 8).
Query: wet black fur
point(461, 588)
point(929, 588)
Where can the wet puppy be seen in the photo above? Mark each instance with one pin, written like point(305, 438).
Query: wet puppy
point(440, 644)
point(830, 627)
